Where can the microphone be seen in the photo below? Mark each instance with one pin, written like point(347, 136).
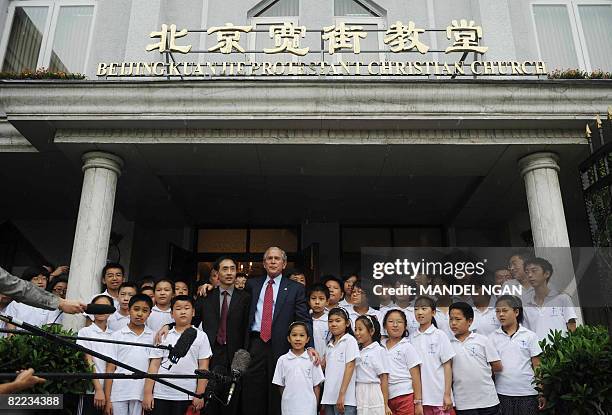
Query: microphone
point(183, 344)
point(214, 384)
point(240, 364)
point(99, 309)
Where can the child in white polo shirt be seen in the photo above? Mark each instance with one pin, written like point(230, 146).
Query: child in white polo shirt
point(435, 350)
point(94, 403)
point(485, 321)
point(161, 314)
point(342, 351)
point(162, 399)
point(546, 309)
point(360, 302)
point(297, 376)
point(519, 351)
point(473, 365)
point(120, 318)
point(318, 297)
point(405, 397)
point(124, 396)
point(372, 372)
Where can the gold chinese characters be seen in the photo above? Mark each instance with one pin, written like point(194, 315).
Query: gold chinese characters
point(465, 36)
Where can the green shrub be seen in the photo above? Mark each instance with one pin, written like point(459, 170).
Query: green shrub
point(575, 375)
point(578, 74)
point(41, 73)
point(23, 351)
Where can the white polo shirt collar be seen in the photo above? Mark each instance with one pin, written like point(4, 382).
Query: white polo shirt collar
point(521, 329)
point(292, 356)
point(429, 330)
point(342, 339)
point(470, 336)
point(530, 297)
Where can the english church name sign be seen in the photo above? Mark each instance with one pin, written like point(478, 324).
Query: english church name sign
point(341, 46)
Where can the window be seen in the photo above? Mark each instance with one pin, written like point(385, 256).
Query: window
point(574, 34)
point(55, 35)
point(353, 8)
point(280, 8)
point(274, 13)
point(245, 245)
point(369, 18)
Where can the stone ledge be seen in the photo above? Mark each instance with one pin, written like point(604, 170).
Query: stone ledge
point(319, 136)
point(542, 101)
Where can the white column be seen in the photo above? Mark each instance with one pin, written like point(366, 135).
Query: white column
point(550, 237)
point(539, 170)
point(101, 171)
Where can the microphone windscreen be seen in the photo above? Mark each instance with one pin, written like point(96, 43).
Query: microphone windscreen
point(183, 344)
point(99, 309)
point(241, 361)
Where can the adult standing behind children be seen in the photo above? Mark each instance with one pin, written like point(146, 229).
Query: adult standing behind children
point(277, 302)
point(225, 320)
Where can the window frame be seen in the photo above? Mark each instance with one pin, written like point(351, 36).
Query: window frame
point(278, 20)
point(46, 46)
point(578, 36)
point(381, 22)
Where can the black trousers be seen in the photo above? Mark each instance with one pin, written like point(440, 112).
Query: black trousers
point(493, 410)
point(164, 407)
point(221, 358)
point(259, 395)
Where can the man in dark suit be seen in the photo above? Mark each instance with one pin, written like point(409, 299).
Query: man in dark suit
point(225, 318)
point(276, 303)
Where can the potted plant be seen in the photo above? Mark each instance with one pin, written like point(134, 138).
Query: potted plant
point(25, 351)
point(575, 374)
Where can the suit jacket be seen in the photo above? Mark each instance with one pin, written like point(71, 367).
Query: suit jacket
point(237, 319)
point(290, 306)
point(26, 292)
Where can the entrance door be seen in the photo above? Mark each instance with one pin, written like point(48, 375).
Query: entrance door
point(308, 261)
point(182, 264)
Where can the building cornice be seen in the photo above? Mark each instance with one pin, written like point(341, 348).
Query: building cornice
point(318, 136)
point(305, 99)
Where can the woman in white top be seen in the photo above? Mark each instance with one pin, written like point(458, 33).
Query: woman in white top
point(342, 351)
point(372, 373)
point(519, 352)
point(297, 375)
point(94, 403)
point(405, 395)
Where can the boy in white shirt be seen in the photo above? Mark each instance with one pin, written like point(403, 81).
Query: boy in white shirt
point(95, 403)
point(120, 318)
point(473, 365)
point(161, 312)
point(113, 275)
point(318, 297)
point(546, 309)
point(162, 399)
point(124, 396)
point(39, 276)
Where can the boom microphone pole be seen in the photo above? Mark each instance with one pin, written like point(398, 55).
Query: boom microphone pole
point(87, 375)
point(150, 346)
point(57, 339)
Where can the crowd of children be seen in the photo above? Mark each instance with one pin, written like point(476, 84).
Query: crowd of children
point(435, 355)
point(422, 356)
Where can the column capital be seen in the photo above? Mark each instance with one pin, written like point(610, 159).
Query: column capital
point(540, 160)
point(103, 160)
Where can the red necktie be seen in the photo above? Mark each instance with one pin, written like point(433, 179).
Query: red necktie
point(221, 333)
point(266, 319)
